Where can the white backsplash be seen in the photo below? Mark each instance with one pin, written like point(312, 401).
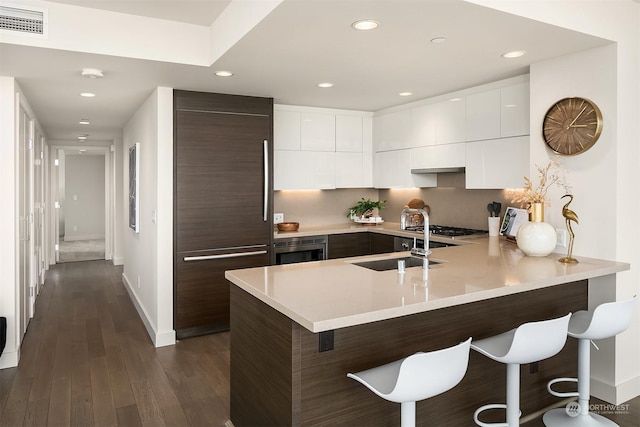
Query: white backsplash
point(450, 203)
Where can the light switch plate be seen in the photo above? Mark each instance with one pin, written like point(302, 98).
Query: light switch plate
point(278, 218)
point(562, 237)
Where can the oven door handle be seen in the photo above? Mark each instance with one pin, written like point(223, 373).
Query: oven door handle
point(222, 256)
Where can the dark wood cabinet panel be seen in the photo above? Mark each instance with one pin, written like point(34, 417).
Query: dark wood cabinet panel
point(381, 243)
point(222, 178)
point(348, 245)
point(202, 292)
point(294, 384)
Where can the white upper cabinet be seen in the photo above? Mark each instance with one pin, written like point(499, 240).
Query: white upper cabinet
point(304, 170)
point(392, 169)
point(451, 117)
point(286, 130)
point(349, 133)
point(514, 110)
point(497, 163)
point(392, 131)
point(317, 131)
point(483, 115)
point(320, 148)
point(435, 157)
point(423, 125)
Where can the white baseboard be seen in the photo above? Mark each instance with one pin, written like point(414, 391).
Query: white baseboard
point(160, 339)
point(118, 261)
point(616, 394)
point(9, 359)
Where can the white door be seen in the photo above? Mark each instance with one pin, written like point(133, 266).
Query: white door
point(25, 195)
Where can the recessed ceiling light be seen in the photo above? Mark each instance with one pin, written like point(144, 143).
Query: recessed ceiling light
point(438, 40)
point(83, 151)
point(405, 93)
point(325, 85)
point(514, 54)
point(455, 99)
point(87, 94)
point(84, 122)
point(82, 137)
point(223, 73)
point(92, 73)
point(365, 24)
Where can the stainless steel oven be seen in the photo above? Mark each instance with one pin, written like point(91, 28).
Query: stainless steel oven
point(300, 249)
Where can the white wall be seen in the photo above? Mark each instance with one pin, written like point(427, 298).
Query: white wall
point(85, 195)
point(148, 255)
point(8, 220)
point(606, 178)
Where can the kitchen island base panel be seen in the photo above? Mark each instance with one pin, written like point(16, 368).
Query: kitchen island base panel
point(278, 376)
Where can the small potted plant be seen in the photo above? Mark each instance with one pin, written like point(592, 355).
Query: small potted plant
point(364, 208)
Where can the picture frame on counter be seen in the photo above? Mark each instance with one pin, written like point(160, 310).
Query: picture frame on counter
point(513, 219)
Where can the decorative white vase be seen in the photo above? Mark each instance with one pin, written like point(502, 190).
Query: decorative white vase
point(536, 237)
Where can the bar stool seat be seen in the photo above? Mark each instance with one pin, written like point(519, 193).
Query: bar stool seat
point(417, 377)
point(528, 343)
point(605, 321)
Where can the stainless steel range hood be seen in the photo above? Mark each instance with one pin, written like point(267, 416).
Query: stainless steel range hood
point(438, 170)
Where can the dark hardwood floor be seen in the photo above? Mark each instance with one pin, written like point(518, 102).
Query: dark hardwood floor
point(87, 360)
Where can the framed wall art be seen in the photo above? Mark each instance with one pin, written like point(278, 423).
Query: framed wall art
point(134, 187)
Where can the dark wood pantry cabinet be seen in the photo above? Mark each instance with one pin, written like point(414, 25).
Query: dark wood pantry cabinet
point(223, 204)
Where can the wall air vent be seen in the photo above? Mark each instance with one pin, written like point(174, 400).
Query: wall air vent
point(30, 21)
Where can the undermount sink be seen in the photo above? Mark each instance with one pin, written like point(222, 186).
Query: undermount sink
point(392, 263)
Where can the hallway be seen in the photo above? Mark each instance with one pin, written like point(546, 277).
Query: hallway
point(87, 360)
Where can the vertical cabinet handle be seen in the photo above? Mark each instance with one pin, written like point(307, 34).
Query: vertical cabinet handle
point(265, 145)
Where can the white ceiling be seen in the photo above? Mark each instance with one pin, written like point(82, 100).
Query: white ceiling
point(300, 44)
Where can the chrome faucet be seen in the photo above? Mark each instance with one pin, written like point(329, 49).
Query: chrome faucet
point(415, 251)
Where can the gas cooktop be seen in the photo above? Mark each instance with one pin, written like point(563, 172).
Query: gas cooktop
point(448, 231)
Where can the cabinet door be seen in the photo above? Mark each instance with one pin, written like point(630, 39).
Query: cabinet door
point(392, 169)
point(514, 107)
point(483, 115)
point(317, 132)
point(219, 180)
point(304, 170)
point(439, 156)
point(391, 131)
point(350, 170)
point(497, 164)
point(347, 245)
point(423, 125)
point(381, 243)
point(286, 130)
point(451, 118)
point(202, 293)
point(349, 133)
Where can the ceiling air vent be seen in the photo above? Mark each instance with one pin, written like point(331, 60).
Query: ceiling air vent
point(26, 21)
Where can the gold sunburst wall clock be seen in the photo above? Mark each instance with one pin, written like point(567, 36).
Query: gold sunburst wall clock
point(571, 126)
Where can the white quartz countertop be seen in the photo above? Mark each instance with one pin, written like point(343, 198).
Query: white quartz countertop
point(332, 294)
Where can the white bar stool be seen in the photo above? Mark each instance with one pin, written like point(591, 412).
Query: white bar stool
point(528, 343)
point(605, 321)
point(417, 377)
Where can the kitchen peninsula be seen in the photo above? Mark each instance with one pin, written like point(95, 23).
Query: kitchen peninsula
point(296, 330)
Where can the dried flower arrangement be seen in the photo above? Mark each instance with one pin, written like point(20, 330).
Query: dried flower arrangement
point(552, 174)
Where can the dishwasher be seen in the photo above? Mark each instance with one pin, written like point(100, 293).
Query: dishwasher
point(291, 250)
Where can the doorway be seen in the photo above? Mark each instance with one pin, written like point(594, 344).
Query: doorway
point(80, 185)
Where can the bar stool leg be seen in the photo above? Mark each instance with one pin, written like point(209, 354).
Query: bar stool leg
point(513, 394)
point(408, 414)
point(584, 375)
